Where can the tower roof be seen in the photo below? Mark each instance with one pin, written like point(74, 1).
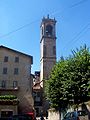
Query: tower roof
point(48, 19)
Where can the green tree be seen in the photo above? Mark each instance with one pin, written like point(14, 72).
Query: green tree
point(69, 80)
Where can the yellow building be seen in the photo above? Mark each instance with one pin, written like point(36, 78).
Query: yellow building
point(15, 79)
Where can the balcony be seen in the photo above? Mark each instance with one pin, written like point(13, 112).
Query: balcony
point(9, 88)
point(8, 100)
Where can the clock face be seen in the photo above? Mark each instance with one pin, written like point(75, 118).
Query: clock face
point(49, 29)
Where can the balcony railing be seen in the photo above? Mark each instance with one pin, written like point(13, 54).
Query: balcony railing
point(11, 88)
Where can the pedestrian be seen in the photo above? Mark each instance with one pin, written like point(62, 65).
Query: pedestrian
point(46, 114)
point(41, 118)
point(87, 109)
point(75, 114)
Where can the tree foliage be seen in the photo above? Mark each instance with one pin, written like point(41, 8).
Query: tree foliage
point(69, 80)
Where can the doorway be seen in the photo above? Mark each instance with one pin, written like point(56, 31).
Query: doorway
point(6, 113)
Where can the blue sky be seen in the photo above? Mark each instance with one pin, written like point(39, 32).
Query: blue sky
point(20, 25)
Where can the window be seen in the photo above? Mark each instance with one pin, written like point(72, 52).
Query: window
point(5, 70)
point(15, 84)
point(16, 71)
point(6, 59)
point(49, 30)
point(44, 50)
point(3, 84)
point(54, 50)
point(42, 31)
point(16, 59)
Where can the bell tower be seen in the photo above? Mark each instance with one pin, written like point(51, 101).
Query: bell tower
point(47, 47)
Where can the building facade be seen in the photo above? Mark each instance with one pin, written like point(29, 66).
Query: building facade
point(47, 48)
point(37, 93)
point(15, 77)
